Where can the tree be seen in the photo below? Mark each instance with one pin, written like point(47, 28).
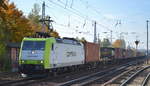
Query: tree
point(13, 27)
point(119, 43)
point(77, 38)
point(34, 18)
point(106, 43)
point(2, 4)
point(83, 39)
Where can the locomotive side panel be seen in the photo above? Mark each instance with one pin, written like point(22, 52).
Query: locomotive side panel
point(66, 55)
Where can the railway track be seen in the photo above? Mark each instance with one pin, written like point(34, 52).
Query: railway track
point(29, 81)
point(146, 80)
point(82, 81)
point(132, 77)
point(138, 78)
point(86, 80)
point(22, 82)
point(10, 83)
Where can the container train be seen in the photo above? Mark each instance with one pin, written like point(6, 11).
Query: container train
point(38, 55)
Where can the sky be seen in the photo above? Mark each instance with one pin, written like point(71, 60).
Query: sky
point(75, 18)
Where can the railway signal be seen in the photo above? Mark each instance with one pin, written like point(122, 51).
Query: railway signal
point(136, 43)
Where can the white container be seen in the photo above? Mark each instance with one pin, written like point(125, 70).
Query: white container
point(64, 54)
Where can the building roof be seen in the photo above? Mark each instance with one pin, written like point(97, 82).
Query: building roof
point(13, 45)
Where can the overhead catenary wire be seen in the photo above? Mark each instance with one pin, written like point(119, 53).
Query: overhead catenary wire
point(78, 14)
point(96, 11)
point(71, 3)
point(75, 12)
point(65, 8)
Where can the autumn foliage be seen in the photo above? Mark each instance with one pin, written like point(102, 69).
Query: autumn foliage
point(119, 43)
point(106, 43)
point(13, 25)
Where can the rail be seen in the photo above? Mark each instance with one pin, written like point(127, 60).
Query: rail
point(146, 80)
point(132, 77)
point(93, 77)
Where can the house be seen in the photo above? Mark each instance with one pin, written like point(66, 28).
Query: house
point(13, 53)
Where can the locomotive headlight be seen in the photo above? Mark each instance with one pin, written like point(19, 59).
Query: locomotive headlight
point(33, 52)
point(23, 75)
point(41, 61)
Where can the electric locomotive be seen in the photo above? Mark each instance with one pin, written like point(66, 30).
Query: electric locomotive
point(38, 55)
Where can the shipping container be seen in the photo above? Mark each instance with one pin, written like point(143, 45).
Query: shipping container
point(118, 53)
point(140, 53)
point(123, 53)
point(67, 53)
point(129, 53)
point(107, 52)
point(92, 53)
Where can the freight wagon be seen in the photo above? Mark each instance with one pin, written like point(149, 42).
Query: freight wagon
point(107, 52)
point(118, 53)
point(130, 53)
point(92, 54)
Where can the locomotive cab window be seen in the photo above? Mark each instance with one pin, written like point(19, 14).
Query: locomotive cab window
point(33, 45)
point(33, 50)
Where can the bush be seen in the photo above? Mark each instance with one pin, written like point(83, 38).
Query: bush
point(4, 60)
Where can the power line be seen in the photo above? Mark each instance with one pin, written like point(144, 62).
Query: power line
point(103, 26)
point(74, 11)
point(71, 7)
point(95, 10)
point(66, 8)
point(51, 11)
point(62, 24)
point(89, 19)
